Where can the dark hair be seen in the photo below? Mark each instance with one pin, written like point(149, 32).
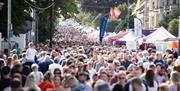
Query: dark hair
point(136, 81)
point(6, 70)
point(15, 83)
point(26, 69)
point(57, 69)
point(149, 77)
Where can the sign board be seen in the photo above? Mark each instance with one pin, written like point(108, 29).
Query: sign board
point(137, 27)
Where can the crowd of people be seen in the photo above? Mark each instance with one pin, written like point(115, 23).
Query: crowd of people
point(89, 67)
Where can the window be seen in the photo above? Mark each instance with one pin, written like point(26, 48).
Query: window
point(152, 19)
point(174, 1)
point(167, 2)
point(153, 6)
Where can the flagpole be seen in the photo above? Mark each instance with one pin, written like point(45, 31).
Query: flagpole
point(128, 16)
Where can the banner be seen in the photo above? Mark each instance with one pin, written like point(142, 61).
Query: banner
point(136, 7)
point(102, 28)
point(137, 27)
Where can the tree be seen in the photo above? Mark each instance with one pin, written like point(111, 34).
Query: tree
point(20, 14)
point(102, 7)
point(173, 26)
point(168, 17)
point(63, 9)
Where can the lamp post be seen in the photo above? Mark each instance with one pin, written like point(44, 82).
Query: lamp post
point(9, 26)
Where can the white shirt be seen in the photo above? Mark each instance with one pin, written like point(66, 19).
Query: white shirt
point(91, 72)
point(155, 88)
point(53, 66)
point(31, 53)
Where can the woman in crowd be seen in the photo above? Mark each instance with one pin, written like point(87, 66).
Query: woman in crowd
point(175, 81)
point(149, 78)
point(47, 83)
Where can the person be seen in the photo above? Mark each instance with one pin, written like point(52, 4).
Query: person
point(82, 77)
point(74, 85)
point(44, 65)
point(144, 45)
point(58, 83)
point(38, 76)
point(149, 78)
point(135, 80)
point(15, 85)
point(5, 80)
point(163, 87)
point(175, 81)
point(102, 86)
point(47, 83)
point(55, 65)
point(31, 53)
point(90, 69)
point(149, 62)
point(158, 59)
point(30, 83)
point(119, 86)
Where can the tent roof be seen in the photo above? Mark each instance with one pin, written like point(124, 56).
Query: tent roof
point(160, 34)
point(128, 37)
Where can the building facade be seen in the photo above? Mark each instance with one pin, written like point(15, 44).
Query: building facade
point(151, 11)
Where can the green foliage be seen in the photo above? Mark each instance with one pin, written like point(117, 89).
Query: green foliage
point(168, 17)
point(20, 14)
point(63, 9)
point(173, 26)
point(88, 19)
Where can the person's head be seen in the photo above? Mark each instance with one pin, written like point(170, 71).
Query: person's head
point(15, 57)
point(103, 76)
point(149, 76)
point(9, 61)
point(17, 68)
point(101, 86)
point(30, 45)
point(6, 70)
point(101, 59)
point(82, 77)
point(30, 80)
point(136, 84)
point(136, 71)
point(95, 77)
point(158, 55)
point(16, 84)
point(177, 67)
point(57, 72)
point(163, 87)
point(71, 80)
point(34, 67)
point(56, 59)
point(26, 70)
point(48, 76)
point(121, 76)
point(57, 80)
point(175, 77)
point(150, 58)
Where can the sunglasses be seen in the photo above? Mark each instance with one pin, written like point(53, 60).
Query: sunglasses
point(121, 77)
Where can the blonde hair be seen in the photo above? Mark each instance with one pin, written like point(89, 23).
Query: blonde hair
point(175, 77)
point(30, 44)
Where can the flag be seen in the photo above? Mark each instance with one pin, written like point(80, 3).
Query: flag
point(117, 12)
point(114, 13)
point(136, 7)
point(102, 28)
point(137, 27)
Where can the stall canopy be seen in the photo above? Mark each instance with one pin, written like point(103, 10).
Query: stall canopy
point(119, 35)
point(160, 34)
point(128, 37)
